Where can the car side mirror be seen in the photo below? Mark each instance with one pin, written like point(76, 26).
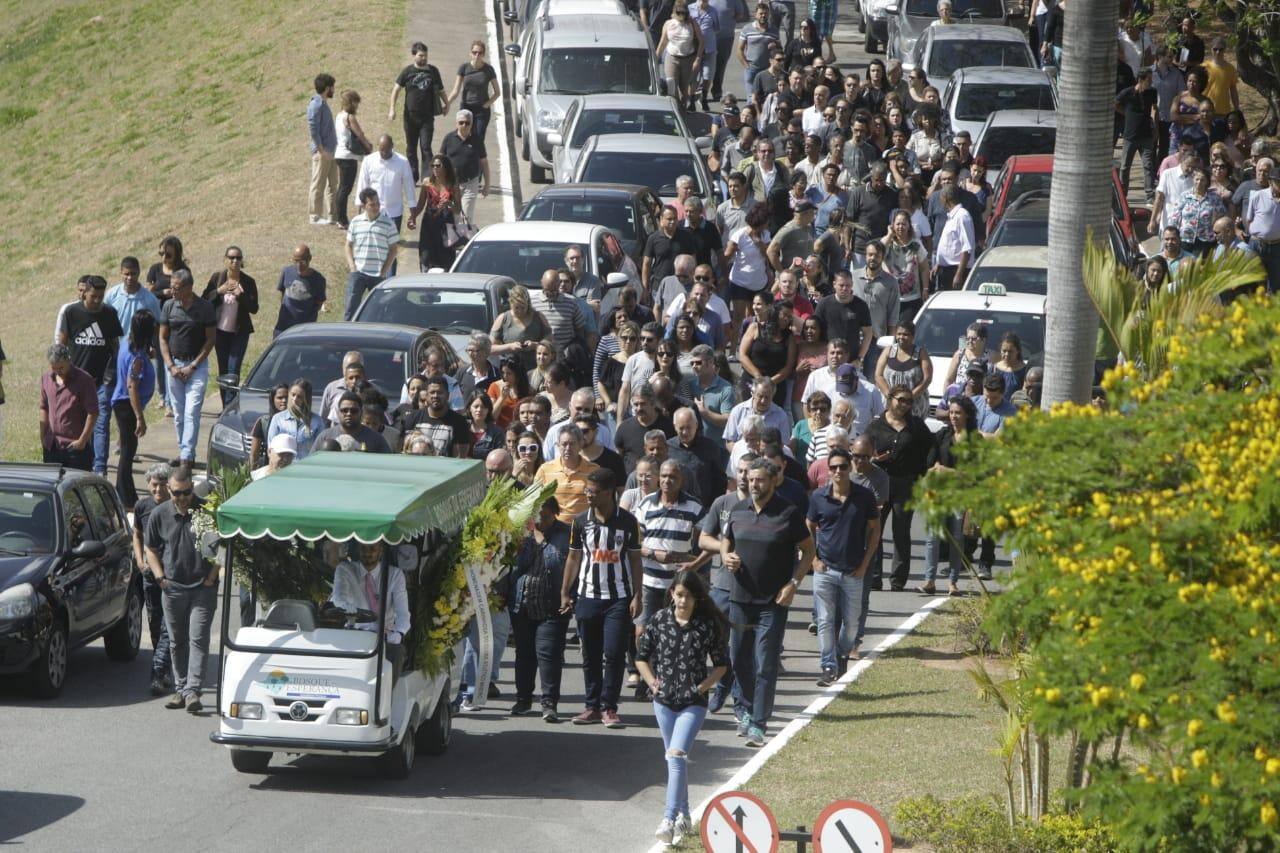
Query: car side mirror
point(555, 140)
point(891, 10)
point(884, 341)
point(512, 49)
point(510, 17)
point(703, 143)
point(616, 279)
point(229, 382)
point(89, 549)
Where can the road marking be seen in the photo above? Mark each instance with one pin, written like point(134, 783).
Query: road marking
point(814, 708)
point(498, 119)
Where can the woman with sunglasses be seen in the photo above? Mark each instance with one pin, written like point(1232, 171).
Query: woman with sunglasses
point(234, 296)
point(817, 416)
point(962, 416)
point(610, 383)
point(972, 348)
point(668, 365)
point(811, 354)
point(511, 387)
point(680, 48)
point(907, 365)
point(917, 82)
point(439, 200)
point(158, 281)
point(478, 84)
point(802, 49)
point(528, 457)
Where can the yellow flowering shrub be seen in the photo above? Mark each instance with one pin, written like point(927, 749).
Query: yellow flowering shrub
point(1147, 588)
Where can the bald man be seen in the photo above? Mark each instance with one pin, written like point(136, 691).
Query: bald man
point(702, 460)
point(497, 465)
point(302, 291)
point(388, 172)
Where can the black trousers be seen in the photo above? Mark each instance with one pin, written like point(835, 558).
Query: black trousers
point(724, 49)
point(900, 495)
point(346, 180)
point(127, 423)
point(540, 651)
point(79, 459)
point(418, 134)
point(944, 278)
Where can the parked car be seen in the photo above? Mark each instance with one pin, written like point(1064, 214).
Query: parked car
point(1021, 269)
point(601, 115)
point(873, 23)
point(1026, 223)
point(519, 13)
point(525, 250)
point(314, 351)
point(630, 211)
point(972, 94)
point(656, 160)
point(1024, 173)
point(940, 51)
point(1006, 133)
point(453, 304)
point(909, 20)
point(568, 56)
point(67, 573)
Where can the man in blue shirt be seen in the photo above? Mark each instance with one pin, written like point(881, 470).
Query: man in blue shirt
point(992, 406)
point(713, 394)
point(129, 296)
point(845, 522)
point(323, 142)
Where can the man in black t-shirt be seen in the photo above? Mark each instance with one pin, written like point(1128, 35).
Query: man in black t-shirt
point(423, 100)
point(661, 248)
point(846, 316)
point(449, 432)
point(157, 493)
point(92, 331)
point(1137, 106)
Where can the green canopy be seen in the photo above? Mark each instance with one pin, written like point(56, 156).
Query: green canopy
point(370, 497)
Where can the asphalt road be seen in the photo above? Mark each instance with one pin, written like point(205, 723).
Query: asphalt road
point(107, 767)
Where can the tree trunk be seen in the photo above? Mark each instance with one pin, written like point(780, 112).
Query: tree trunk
point(1080, 195)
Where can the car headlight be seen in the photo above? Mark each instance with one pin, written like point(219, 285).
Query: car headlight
point(548, 119)
point(246, 710)
point(18, 602)
point(226, 438)
point(351, 717)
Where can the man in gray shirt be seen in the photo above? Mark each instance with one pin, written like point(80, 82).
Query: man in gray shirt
point(189, 584)
point(713, 525)
point(879, 290)
point(350, 408)
point(732, 212)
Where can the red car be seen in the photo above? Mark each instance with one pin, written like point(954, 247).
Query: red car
point(1025, 173)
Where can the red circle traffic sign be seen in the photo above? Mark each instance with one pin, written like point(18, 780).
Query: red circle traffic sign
point(848, 826)
point(738, 821)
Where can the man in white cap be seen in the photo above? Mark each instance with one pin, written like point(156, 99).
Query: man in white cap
point(280, 454)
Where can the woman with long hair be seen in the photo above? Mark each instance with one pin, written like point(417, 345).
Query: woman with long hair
point(438, 201)
point(159, 282)
point(135, 385)
point(518, 330)
point(802, 49)
point(811, 354)
point(1011, 367)
point(668, 365)
point(277, 401)
point(347, 159)
point(672, 655)
point(974, 349)
point(528, 457)
point(297, 419)
point(746, 255)
point(234, 296)
point(680, 49)
point(485, 434)
point(610, 383)
point(545, 354)
point(962, 419)
point(506, 393)
point(558, 388)
point(684, 333)
point(908, 262)
point(877, 88)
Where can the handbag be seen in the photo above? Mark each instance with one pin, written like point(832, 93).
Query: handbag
point(458, 230)
point(357, 147)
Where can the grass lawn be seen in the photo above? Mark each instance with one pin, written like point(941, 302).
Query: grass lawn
point(912, 724)
point(131, 120)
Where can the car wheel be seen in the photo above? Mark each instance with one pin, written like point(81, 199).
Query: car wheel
point(435, 733)
point(524, 150)
point(537, 174)
point(50, 671)
point(869, 41)
point(124, 639)
point(250, 761)
point(397, 763)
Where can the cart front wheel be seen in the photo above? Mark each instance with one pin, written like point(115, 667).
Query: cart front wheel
point(434, 735)
point(397, 763)
point(250, 761)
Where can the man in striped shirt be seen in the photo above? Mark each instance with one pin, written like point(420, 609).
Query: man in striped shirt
point(564, 313)
point(668, 526)
point(604, 565)
point(372, 242)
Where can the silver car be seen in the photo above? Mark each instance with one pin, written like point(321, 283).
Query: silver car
point(655, 161)
point(942, 50)
point(453, 304)
point(910, 19)
point(972, 94)
point(602, 115)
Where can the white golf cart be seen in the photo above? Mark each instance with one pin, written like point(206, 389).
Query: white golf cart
point(304, 679)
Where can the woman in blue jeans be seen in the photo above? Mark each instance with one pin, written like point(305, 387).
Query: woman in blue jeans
point(672, 656)
point(962, 415)
point(234, 297)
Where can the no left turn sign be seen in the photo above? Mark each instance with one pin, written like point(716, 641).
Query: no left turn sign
point(848, 826)
point(738, 822)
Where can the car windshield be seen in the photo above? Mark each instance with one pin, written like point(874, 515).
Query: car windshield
point(607, 122)
point(1014, 279)
point(1025, 182)
point(577, 71)
point(941, 330)
point(320, 362)
point(959, 9)
point(524, 261)
point(617, 215)
point(27, 523)
point(1020, 232)
point(656, 171)
point(948, 55)
point(1000, 143)
point(442, 309)
point(979, 100)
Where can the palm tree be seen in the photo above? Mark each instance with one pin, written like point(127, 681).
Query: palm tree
point(1080, 195)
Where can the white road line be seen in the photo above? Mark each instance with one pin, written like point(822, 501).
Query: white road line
point(498, 120)
point(744, 774)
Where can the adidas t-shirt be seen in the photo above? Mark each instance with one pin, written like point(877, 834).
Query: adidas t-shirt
point(90, 337)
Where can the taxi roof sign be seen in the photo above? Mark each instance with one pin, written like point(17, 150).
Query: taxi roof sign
point(992, 288)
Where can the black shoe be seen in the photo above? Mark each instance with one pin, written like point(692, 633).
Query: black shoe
point(158, 688)
point(877, 586)
point(572, 641)
point(828, 678)
point(706, 108)
point(522, 706)
point(897, 587)
point(494, 692)
point(549, 714)
point(194, 707)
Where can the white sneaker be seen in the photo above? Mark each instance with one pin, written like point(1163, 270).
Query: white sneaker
point(665, 831)
point(467, 706)
point(321, 220)
point(682, 827)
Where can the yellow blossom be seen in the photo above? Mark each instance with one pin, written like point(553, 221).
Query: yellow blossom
point(1144, 722)
point(1052, 695)
point(1194, 728)
point(1226, 713)
point(1200, 758)
point(1267, 814)
point(1216, 779)
point(1137, 680)
point(1177, 774)
point(1273, 766)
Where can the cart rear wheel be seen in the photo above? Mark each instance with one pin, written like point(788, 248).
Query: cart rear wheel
point(397, 763)
point(434, 734)
point(250, 761)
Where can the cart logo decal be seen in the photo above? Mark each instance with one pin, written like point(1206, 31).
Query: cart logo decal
point(299, 710)
point(280, 683)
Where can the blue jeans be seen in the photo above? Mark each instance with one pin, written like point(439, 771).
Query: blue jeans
point(749, 77)
point(153, 595)
point(679, 728)
point(230, 348)
point(102, 429)
point(186, 398)
point(721, 599)
point(866, 595)
point(755, 646)
point(839, 598)
point(604, 627)
point(357, 284)
point(933, 546)
point(471, 652)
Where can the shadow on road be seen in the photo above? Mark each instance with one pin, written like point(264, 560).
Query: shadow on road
point(23, 812)
point(93, 681)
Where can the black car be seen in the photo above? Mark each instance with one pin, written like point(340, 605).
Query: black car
point(1026, 223)
point(628, 210)
point(314, 351)
point(67, 573)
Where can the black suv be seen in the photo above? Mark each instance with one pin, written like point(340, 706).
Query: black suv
point(67, 573)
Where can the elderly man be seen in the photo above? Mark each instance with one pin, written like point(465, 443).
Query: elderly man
point(713, 395)
point(302, 291)
point(1263, 228)
point(581, 402)
point(498, 465)
point(761, 403)
point(569, 471)
point(478, 372)
point(701, 458)
point(569, 327)
point(706, 236)
point(1032, 387)
point(1173, 185)
point(68, 411)
point(674, 286)
point(470, 162)
point(157, 493)
point(189, 583)
point(337, 386)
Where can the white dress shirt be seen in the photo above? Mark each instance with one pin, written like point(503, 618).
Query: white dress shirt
point(349, 594)
point(392, 178)
point(955, 239)
point(715, 305)
point(1173, 186)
